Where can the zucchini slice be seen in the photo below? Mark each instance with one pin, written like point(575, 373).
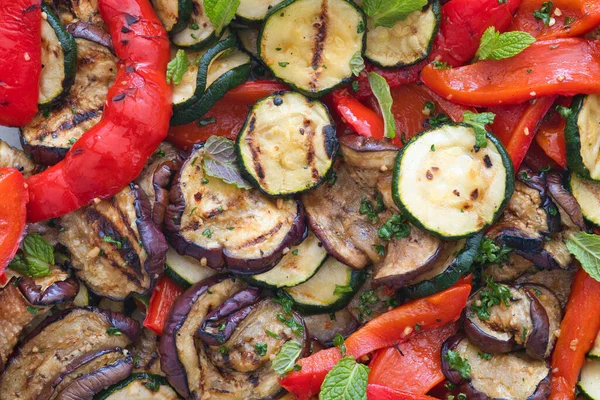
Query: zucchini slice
point(83, 297)
point(329, 290)
point(595, 351)
point(582, 134)
point(255, 10)
point(447, 186)
point(587, 194)
point(455, 261)
point(174, 14)
point(589, 382)
point(296, 267)
point(199, 32)
point(139, 386)
point(407, 42)
point(59, 61)
point(185, 270)
point(287, 145)
point(218, 70)
point(309, 43)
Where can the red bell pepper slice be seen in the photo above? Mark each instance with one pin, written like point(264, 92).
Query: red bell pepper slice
point(551, 134)
point(548, 68)
point(389, 329)
point(12, 214)
point(163, 296)
point(382, 392)
point(395, 77)
point(20, 60)
point(226, 117)
point(578, 331)
point(574, 18)
point(135, 121)
point(359, 117)
point(414, 366)
point(525, 130)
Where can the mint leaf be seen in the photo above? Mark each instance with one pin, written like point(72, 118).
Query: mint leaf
point(177, 67)
point(498, 46)
point(381, 90)
point(220, 12)
point(478, 123)
point(346, 381)
point(220, 161)
point(35, 259)
point(285, 360)
point(357, 64)
point(586, 248)
point(388, 12)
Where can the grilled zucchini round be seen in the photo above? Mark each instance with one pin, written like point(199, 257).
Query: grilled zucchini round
point(582, 134)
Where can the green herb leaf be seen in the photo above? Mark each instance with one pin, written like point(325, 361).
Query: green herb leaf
point(457, 363)
point(381, 90)
point(113, 331)
point(32, 310)
point(395, 227)
point(490, 253)
point(346, 381)
point(564, 112)
point(388, 12)
point(484, 356)
point(220, 161)
point(494, 294)
point(357, 64)
point(338, 341)
point(220, 12)
point(586, 248)
point(177, 67)
point(341, 289)
point(286, 358)
point(544, 13)
point(35, 259)
point(440, 65)
point(260, 349)
point(478, 123)
point(498, 46)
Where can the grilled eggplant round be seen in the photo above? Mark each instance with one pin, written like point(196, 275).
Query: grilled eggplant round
point(221, 224)
point(233, 369)
point(115, 247)
point(139, 386)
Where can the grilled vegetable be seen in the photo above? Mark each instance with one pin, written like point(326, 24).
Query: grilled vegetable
point(287, 145)
point(89, 31)
point(570, 210)
point(139, 386)
point(49, 136)
point(325, 327)
point(11, 157)
point(582, 136)
point(184, 270)
point(68, 340)
point(248, 38)
point(407, 42)
point(588, 382)
point(329, 290)
point(56, 288)
point(174, 14)
point(587, 194)
point(255, 10)
point(59, 61)
point(371, 300)
point(366, 152)
point(115, 247)
point(449, 188)
point(297, 266)
point(558, 281)
point(503, 376)
point(232, 369)
point(87, 11)
point(199, 32)
point(304, 57)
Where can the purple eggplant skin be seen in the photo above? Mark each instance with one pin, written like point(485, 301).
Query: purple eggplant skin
point(57, 293)
point(539, 182)
point(93, 33)
point(153, 240)
point(45, 155)
point(565, 199)
point(161, 180)
point(450, 344)
point(482, 340)
point(538, 339)
point(86, 386)
point(541, 393)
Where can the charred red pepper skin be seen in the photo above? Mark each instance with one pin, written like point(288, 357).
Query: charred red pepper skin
point(20, 60)
point(163, 296)
point(135, 120)
point(548, 68)
point(12, 214)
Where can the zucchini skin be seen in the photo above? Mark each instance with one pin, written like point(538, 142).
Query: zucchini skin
point(509, 189)
point(321, 93)
point(460, 266)
point(185, 13)
point(573, 141)
point(437, 11)
point(69, 46)
point(174, 276)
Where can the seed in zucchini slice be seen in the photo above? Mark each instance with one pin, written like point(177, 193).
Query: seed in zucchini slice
point(447, 186)
point(287, 145)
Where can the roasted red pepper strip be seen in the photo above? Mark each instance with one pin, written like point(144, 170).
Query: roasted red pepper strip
point(525, 131)
point(20, 60)
point(381, 392)
point(12, 214)
point(393, 327)
point(548, 68)
point(163, 296)
point(359, 117)
point(136, 118)
point(574, 18)
point(414, 366)
point(551, 134)
point(578, 331)
point(394, 77)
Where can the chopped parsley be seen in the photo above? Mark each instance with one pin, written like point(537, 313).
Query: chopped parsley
point(544, 13)
point(260, 349)
point(492, 295)
point(395, 227)
point(457, 363)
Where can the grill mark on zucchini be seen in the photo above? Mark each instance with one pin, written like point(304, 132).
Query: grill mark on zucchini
point(310, 153)
point(319, 43)
point(255, 150)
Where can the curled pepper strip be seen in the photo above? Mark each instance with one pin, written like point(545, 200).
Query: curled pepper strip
point(135, 121)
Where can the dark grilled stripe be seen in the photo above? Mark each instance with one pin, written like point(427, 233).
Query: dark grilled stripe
point(77, 119)
point(320, 37)
point(263, 237)
point(254, 149)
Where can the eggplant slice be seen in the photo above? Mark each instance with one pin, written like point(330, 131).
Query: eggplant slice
point(87, 11)
point(503, 376)
point(232, 370)
point(371, 301)
point(49, 136)
point(56, 345)
point(558, 281)
point(221, 224)
point(325, 327)
point(11, 157)
point(115, 247)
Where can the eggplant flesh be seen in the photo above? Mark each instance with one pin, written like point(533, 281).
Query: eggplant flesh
point(60, 340)
point(368, 153)
point(59, 287)
point(324, 327)
point(558, 281)
point(11, 157)
point(370, 301)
